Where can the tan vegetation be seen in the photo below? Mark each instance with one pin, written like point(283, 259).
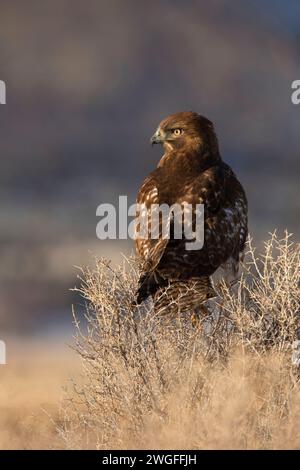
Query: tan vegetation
point(31, 391)
point(231, 381)
point(228, 382)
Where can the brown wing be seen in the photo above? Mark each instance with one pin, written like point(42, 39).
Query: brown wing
point(225, 216)
point(225, 230)
point(149, 249)
point(225, 226)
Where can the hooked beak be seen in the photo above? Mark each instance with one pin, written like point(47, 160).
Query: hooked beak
point(157, 138)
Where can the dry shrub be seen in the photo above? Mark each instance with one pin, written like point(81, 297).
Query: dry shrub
point(160, 382)
point(265, 308)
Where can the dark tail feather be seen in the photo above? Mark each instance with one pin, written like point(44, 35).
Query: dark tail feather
point(149, 283)
point(184, 296)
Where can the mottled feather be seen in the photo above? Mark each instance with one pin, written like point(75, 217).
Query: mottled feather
point(190, 171)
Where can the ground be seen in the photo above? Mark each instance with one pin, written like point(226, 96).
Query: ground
point(31, 389)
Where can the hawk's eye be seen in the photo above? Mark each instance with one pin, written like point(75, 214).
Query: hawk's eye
point(176, 132)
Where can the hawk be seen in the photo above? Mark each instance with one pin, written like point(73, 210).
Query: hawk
point(191, 171)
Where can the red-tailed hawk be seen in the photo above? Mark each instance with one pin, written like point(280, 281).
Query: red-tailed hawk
point(191, 171)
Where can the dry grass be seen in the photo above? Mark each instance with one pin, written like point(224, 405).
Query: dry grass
point(30, 392)
point(154, 382)
point(151, 382)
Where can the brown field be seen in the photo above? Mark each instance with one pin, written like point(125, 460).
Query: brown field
point(228, 382)
point(31, 391)
point(250, 404)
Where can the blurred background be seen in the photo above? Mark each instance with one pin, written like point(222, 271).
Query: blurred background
point(87, 83)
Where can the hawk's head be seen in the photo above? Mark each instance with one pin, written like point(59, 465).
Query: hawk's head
point(186, 131)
